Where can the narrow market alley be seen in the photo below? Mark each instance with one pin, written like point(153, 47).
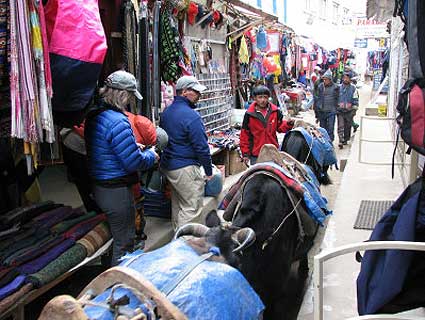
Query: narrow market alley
point(207, 159)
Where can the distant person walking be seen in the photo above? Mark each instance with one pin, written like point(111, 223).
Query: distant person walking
point(348, 104)
point(326, 102)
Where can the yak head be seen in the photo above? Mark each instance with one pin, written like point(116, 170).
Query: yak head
point(230, 240)
point(263, 207)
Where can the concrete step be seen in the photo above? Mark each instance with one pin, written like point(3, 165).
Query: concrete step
point(160, 231)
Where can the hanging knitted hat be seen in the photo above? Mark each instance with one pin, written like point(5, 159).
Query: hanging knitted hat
point(207, 21)
point(216, 17)
point(200, 13)
point(220, 21)
point(192, 12)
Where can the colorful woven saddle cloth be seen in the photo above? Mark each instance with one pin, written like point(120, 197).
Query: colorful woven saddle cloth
point(294, 177)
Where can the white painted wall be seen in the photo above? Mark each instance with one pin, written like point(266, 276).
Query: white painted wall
point(327, 25)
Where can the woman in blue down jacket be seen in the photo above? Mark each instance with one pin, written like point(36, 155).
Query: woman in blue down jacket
point(114, 158)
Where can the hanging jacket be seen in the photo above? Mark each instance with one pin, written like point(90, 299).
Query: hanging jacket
point(77, 48)
point(258, 130)
point(113, 155)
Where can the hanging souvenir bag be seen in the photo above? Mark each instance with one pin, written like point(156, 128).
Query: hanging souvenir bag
point(77, 48)
point(261, 38)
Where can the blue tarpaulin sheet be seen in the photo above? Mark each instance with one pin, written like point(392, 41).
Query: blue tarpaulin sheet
point(212, 290)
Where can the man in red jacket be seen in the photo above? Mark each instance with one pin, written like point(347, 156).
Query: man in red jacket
point(261, 122)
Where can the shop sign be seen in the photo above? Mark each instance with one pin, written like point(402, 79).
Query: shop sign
point(367, 28)
point(360, 43)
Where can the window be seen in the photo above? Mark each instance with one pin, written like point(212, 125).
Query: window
point(335, 12)
point(307, 5)
point(323, 7)
point(346, 19)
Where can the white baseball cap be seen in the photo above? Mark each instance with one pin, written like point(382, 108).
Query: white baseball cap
point(123, 80)
point(190, 82)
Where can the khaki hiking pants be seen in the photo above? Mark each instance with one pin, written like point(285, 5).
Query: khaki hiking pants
point(187, 192)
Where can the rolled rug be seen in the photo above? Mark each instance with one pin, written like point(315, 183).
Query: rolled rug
point(96, 238)
point(9, 301)
point(59, 266)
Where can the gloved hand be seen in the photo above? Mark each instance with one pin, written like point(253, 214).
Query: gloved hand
point(290, 122)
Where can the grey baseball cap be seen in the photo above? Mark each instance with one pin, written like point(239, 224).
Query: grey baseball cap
point(190, 82)
point(123, 80)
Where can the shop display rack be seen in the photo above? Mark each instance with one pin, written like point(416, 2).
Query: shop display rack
point(215, 105)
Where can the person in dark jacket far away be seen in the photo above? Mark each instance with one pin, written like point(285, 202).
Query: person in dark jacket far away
point(260, 123)
point(186, 151)
point(348, 104)
point(326, 103)
point(114, 158)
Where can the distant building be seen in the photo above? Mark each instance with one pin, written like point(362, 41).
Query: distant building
point(331, 23)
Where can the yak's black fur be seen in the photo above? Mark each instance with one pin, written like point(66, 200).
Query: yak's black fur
point(265, 204)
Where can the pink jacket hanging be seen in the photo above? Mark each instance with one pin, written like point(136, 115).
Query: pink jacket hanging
point(77, 47)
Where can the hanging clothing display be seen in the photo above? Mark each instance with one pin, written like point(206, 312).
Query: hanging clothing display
point(261, 38)
point(170, 47)
point(129, 43)
point(77, 46)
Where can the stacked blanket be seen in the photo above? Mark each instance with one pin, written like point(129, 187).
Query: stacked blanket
point(39, 243)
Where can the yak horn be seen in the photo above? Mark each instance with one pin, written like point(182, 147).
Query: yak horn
point(193, 229)
point(243, 238)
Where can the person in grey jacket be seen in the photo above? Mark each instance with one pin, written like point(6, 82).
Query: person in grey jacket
point(326, 102)
point(348, 104)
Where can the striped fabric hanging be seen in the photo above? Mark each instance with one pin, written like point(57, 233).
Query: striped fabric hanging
point(45, 116)
point(31, 83)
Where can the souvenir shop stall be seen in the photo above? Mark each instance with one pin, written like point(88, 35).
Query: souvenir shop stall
point(42, 89)
point(200, 38)
point(377, 67)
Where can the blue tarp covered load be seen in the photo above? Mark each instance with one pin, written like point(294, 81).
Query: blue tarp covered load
point(321, 147)
point(212, 290)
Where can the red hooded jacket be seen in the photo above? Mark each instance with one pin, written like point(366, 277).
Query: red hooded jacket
point(258, 130)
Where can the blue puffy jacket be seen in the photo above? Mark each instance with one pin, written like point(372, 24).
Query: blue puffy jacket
point(187, 140)
point(111, 147)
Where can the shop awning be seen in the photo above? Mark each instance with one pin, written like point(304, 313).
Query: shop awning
point(248, 9)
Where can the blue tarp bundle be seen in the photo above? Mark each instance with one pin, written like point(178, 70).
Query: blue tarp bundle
point(211, 291)
point(321, 148)
point(316, 204)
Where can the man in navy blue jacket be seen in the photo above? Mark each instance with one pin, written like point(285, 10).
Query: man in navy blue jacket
point(186, 152)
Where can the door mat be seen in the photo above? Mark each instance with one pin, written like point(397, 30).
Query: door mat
point(370, 212)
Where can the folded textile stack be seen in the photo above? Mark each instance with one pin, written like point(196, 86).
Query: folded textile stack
point(41, 242)
point(225, 139)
